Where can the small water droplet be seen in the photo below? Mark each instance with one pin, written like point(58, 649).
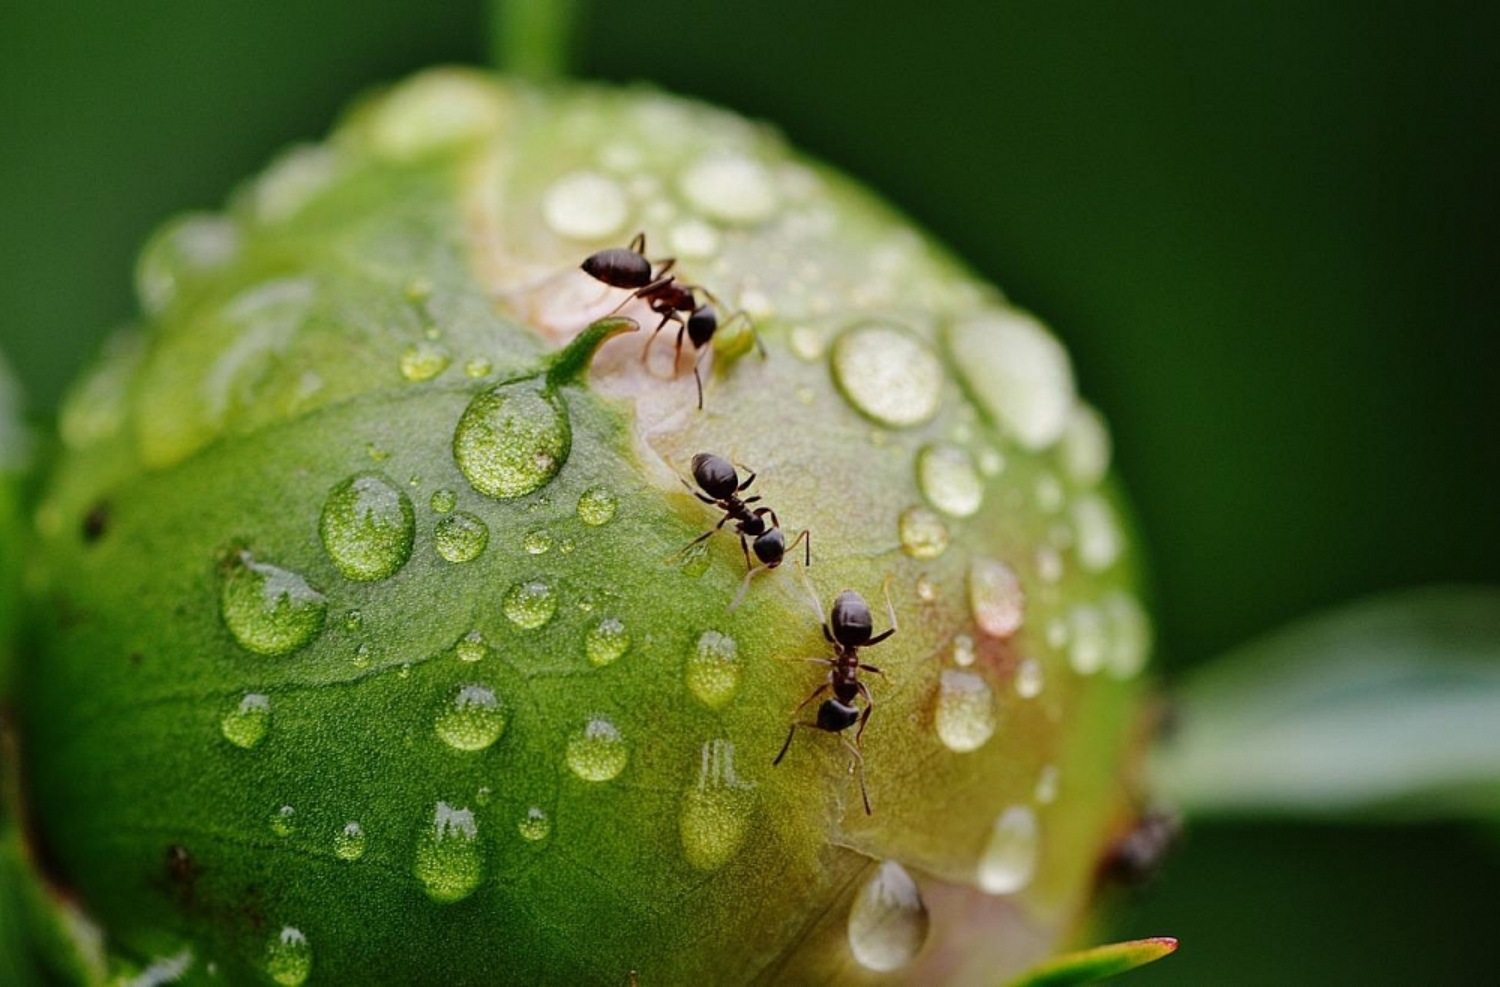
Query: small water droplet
point(471, 647)
point(186, 249)
point(354, 620)
point(963, 650)
point(713, 669)
point(537, 543)
point(596, 506)
point(269, 610)
point(460, 537)
point(585, 205)
point(1046, 785)
point(948, 480)
point(1050, 495)
point(693, 238)
point(423, 361)
point(923, 533)
point(730, 187)
point(597, 752)
point(349, 842)
point(807, 343)
point(376, 454)
point(1090, 640)
point(1049, 564)
point(530, 605)
point(888, 374)
point(965, 716)
point(289, 958)
point(535, 826)
point(695, 561)
point(448, 860)
point(1086, 446)
point(991, 462)
point(367, 527)
point(1099, 538)
point(607, 642)
point(442, 501)
point(888, 922)
point(1130, 634)
point(926, 591)
point(472, 720)
point(246, 724)
point(512, 439)
point(477, 367)
point(716, 812)
point(995, 597)
point(363, 655)
point(1018, 372)
point(1029, 678)
point(284, 821)
point(1009, 859)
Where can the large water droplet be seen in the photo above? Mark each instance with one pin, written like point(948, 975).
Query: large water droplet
point(269, 610)
point(1130, 634)
point(1099, 538)
point(1009, 859)
point(888, 374)
point(607, 642)
point(597, 752)
point(423, 361)
point(535, 826)
point(713, 669)
point(585, 206)
point(596, 506)
point(349, 842)
point(923, 533)
point(1085, 448)
point(1018, 372)
point(888, 922)
point(289, 958)
point(716, 812)
point(473, 720)
point(461, 537)
point(246, 724)
point(537, 542)
point(512, 439)
point(367, 527)
point(284, 821)
point(1089, 639)
point(471, 647)
point(1029, 678)
point(948, 479)
point(530, 605)
point(187, 248)
point(995, 597)
point(730, 187)
point(448, 860)
point(965, 716)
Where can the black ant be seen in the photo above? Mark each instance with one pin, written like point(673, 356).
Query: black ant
point(848, 629)
point(628, 267)
point(720, 486)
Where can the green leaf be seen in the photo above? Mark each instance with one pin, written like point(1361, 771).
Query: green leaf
point(1090, 966)
point(1391, 705)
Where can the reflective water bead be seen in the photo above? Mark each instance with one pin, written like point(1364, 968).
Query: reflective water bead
point(367, 526)
point(888, 922)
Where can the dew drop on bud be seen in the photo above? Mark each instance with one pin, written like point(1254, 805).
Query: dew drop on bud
point(888, 374)
point(246, 724)
point(512, 439)
point(965, 716)
point(1010, 855)
point(367, 527)
point(461, 537)
point(716, 811)
point(597, 752)
point(996, 598)
point(713, 669)
point(888, 922)
point(269, 610)
point(529, 605)
point(607, 642)
point(289, 958)
point(472, 720)
point(448, 860)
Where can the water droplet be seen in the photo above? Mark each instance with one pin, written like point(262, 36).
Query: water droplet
point(472, 720)
point(535, 826)
point(460, 537)
point(349, 842)
point(269, 610)
point(289, 958)
point(1130, 635)
point(423, 361)
point(716, 812)
point(284, 821)
point(363, 654)
point(1010, 856)
point(435, 111)
point(367, 527)
point(1018, 372)
point(888, 922)
point(1029, 678)
point(695, 561)
point(730, 187)
point(1049, 564)
point(246, 724)
point(1046, 785)
point(807, 343)
point(1086, 446)
point(354, 620)
point(530, 605)
point(888, 374)
point(471, 647)
point(963, 650)
point(965, 717)
point(376, 454)
point(585, 206)
point(996, 598)
point(185, 249)
point(948, 480)
point(596, 506)
point(597, 752)
point(923, 533)
point(512, 439)
point(991, 462)
point(442, 501)
point(1090, 640)
point(448, 860)
point(713, 669)
point(607, 642)
point(537, 543)
point(1099, 538)
point(926, 591)
point(477, 367)
point(694, 239)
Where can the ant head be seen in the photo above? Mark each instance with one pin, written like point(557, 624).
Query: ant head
point(618, 268)
point(702, 325)
point(716, 476)
point(850, 621)
point(770, 547)
point(835, 716)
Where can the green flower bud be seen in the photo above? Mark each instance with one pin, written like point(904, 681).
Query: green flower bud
point(367, 651)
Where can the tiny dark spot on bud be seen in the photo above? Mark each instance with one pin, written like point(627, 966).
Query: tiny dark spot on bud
point(135, 659)
point(96, 522)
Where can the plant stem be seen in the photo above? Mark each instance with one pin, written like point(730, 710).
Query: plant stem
point(532, 39)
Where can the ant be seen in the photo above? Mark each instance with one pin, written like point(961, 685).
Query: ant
point(848, 629)
point(628, 267)
point(720, 486)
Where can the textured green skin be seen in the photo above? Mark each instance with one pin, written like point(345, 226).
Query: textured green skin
point(122, 702)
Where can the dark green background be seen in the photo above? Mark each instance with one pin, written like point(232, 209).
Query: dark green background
point(1267, 232)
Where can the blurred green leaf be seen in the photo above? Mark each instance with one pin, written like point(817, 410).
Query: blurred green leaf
point(1388, 706)
point(1090, 966)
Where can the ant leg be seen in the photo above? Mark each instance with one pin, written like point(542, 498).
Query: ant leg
point(751, 500)
point(667, 263)
point(706, 535)
point(890, 611)
point(865, 716)
point(789, 735)
point(638, 243)
point(695, 492)
point(646, 350)
point(745, 587)
point(815, 694)
point(755, 336)
point(748, 480)
point(745, 548)
point(697, 376)
point(817, 604)
point(803, 536)
point(859, 764)
point(873, 671)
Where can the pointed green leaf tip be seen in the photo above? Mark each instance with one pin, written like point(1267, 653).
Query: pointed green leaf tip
point(572, 360)
point(1090, 966)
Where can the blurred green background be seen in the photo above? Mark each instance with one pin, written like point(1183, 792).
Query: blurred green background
point(1266, 231)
